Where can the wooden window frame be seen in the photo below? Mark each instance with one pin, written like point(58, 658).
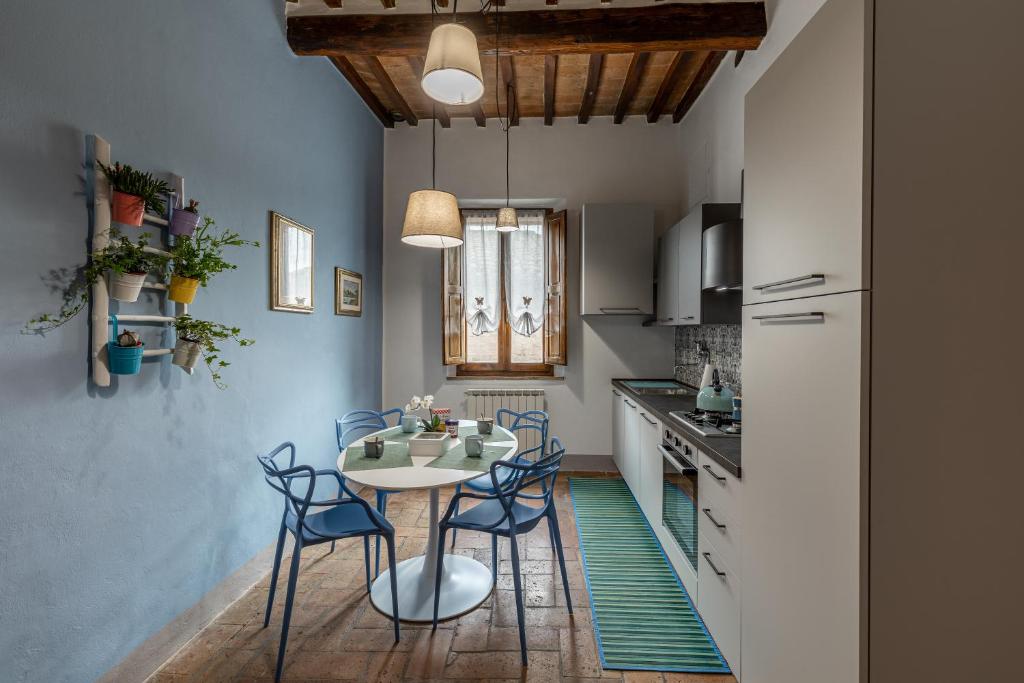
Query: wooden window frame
point(505, 368)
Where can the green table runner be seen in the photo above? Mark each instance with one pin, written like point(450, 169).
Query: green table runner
point(395, 455)
point(456, 458)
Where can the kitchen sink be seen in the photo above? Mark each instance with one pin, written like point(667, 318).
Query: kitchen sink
point(659, 388)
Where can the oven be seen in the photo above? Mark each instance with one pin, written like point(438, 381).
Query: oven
point(679, 494)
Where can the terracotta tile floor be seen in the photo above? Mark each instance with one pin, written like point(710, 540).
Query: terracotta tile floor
point(336, 634)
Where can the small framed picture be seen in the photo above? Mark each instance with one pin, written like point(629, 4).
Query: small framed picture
point(291, 265)
point(348, 292)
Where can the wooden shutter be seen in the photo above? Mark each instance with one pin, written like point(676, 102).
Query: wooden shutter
point(556, 328)
point(453, 309)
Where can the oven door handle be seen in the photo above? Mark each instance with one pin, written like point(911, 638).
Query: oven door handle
point(674, 458)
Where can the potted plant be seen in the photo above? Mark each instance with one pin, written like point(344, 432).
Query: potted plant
point(124, 262)
point(124, 352)
point(199, 256)
point(200, 338)
point(184, 221)
point(436, 421)
point(133, 192)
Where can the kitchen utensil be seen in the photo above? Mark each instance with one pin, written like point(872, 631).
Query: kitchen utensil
point(474, 445)
point(373, 447)
point(410, 423)
point(485, 425)
point(715, 397)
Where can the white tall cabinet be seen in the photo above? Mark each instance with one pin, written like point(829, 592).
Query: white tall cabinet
point(805, 354)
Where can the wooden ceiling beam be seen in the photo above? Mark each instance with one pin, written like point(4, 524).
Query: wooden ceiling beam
point(707, 70)
point(508, 77)
point(629, 86)
point(333, 4)
point(388, 86)
point(388, 4)
point(343, 65)
point(550, 73)
point(478, 113)
point(590, 90)
point(681, 63)
point(674, 27)
point(440, 111)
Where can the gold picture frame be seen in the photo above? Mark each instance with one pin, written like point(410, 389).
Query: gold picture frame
point(292, 265)
point(348, 292)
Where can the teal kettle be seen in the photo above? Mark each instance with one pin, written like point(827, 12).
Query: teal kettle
point(715, 397)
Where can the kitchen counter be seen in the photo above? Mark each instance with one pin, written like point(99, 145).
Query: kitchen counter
point(723, 450)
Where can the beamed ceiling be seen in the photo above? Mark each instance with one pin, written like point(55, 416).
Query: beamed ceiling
point(577, 58)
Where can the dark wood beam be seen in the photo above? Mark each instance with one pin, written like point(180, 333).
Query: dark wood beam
point(343, 65)
point(478, 113)
point(388, 4)
point(550, 73)
point(590, 90)
point(333, 4)
point(629, 86)
point(707, 70)
point(440, 111)
point(681, 63)
point(674, 27)
point(390, 91)
point(508, 77)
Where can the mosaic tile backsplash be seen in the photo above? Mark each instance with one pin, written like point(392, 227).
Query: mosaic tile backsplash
point(726, 348)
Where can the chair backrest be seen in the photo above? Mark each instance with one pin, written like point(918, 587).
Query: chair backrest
point(526, 474)
point(282, 480)
point(523, 424)
point(358, 423)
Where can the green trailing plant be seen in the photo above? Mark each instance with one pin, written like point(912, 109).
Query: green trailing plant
point(208, 335)
point(201, 255)
point(138, 183)
point(121, 256)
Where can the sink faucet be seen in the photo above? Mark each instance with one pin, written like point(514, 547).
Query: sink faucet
point(703, 357)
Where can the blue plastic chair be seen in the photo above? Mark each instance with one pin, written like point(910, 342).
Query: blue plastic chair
point(356, 424)
point(522, 425)
point(347, 516)
point(502, 514)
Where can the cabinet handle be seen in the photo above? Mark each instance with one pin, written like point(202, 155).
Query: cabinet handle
point(630, 403)
point(616, 392)
point(788, 316)
point(687, 317)
point(707, 558)
point(707, 468)
point(649, 420)
point(707, 511)
point(618, 311)
point(665, 320)
point(790, 281)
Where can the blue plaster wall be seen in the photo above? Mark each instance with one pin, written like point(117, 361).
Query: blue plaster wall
point(121, 508)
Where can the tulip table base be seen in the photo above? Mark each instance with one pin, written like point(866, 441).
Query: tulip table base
point(464, 585)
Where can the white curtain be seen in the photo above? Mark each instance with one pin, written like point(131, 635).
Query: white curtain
point(482, 253)
point(524, 274)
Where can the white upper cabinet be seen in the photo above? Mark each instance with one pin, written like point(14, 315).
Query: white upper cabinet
point(668, 277)
point(688, 310)
point(805, 164)
point(617, 273)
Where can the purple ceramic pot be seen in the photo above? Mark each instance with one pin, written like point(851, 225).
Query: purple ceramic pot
point(183, 222)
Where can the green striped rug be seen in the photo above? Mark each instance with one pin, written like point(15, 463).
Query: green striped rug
point(642, 614)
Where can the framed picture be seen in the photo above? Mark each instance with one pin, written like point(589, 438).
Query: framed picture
point(348, 292)
point(291, 265)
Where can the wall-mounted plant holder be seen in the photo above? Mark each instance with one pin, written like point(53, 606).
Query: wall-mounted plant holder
point(124, 360)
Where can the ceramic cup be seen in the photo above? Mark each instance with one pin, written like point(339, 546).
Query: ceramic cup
point(474, 445)
point(373, 448)
point(410, 423)
point(485, 425)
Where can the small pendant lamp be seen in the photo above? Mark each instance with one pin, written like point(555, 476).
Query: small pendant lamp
point(451, 70)
point(432, 216)
point(508, 220)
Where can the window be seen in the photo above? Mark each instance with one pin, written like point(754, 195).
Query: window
point(504, 302)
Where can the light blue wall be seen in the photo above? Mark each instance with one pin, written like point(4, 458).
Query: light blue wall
point(121, 508)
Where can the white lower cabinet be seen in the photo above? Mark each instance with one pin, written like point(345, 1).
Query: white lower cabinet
point(718, 601)
point(630, 467)
point(649, 479)
point(618, 405)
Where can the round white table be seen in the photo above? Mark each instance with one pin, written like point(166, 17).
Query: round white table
point(466, 583)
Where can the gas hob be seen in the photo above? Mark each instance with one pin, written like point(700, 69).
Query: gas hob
point(707, 424)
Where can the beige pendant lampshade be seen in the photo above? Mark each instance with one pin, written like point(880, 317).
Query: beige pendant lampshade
point(451, 71)
point(432, 219)
point(508, 220)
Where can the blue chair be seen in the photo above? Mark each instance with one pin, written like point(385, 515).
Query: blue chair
point(356, 424)
point(502, 514)
point(523, 425)
point(345, 517)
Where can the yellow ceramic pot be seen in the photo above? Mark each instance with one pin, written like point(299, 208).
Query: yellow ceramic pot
point(183, 289)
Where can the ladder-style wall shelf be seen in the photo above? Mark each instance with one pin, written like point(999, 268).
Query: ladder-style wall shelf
point(101, 238)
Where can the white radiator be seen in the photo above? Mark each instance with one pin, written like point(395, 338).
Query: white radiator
point(487, 402)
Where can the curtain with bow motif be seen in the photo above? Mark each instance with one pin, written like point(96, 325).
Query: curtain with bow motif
point(482, 251)
point(524, 274)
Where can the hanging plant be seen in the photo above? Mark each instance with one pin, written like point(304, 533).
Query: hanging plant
point(185, 220)
point(200, 256)
point(126, 263)
point(133, 192)
point(200, 338)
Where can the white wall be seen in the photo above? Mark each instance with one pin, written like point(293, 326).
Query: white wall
point(711, 135)
point(568, 164)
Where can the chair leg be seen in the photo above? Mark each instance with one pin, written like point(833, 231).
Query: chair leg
point(382, 507)
point(518, 583)
point(557, 536)
point(273, 574)
point(366, 558)
point(390, 539)
point(332, 546)
point(494, 558)
point(458, 490)
point(293, 576)
point(438, 573)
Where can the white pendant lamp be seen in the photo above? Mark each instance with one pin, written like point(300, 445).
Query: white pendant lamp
point(451, 71)
point(432, 217)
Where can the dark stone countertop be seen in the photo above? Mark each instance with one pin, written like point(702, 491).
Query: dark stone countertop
point(725, 451)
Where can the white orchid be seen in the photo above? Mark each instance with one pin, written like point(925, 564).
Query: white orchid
point(416, 403)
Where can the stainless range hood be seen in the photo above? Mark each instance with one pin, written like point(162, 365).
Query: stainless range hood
point(722, 262)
